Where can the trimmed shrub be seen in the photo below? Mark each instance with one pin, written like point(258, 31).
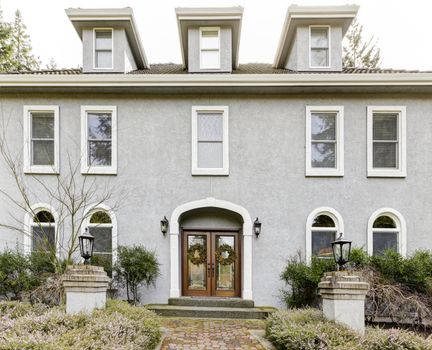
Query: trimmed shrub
point(394, 339)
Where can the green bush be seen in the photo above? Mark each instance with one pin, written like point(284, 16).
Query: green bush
point(103, 260)
point(136, 266)
point(394, 339)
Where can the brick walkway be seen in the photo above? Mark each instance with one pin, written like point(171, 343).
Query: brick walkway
point(194, 334)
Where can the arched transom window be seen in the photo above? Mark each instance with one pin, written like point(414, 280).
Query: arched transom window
point(43, 231)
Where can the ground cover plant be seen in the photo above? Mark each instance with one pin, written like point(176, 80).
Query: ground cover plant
point(120, 326)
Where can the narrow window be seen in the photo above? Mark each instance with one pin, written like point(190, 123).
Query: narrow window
point(386, 141)
point(103, 48)
point(100, 226)
point(43, 232)
point(210, 141)
point(319, 47)
point(99, 140)
point(323, 233)
point(210, 48)
point(324, 135)
point(41, 149)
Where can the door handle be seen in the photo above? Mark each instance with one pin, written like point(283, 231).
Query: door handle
point(213, 270)
point(209, 270)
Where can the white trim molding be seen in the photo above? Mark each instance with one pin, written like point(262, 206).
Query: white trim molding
point(175, 266)
point(333, 214)
point(94, 169)
point(106, 209)
point(312, 27)
point(218, 49)
point(224, 170)
point(338, 170)
point(28, 221)
point(401, 170)
point(401, 229)
point(29, 168)
point(95, 30)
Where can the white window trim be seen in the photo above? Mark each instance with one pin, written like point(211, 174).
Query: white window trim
point(86, 222)
point(40, 169)
point(94, 48)
point(201, 29)
point(28, 221)
point(103, 170)
point(401, 227)
point(210, 171)
point(339, 170)
point(337, 218)
point(329, 46)
point(383, 172)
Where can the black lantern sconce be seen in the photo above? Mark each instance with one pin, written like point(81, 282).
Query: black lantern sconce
point(164, 225)
point(341, 251)
point(257, 227)
point(86, 244)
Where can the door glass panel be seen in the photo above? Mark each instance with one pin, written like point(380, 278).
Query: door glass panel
point(225, 262)
point(197, 262)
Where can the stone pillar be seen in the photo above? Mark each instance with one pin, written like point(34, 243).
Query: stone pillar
point(85, 288)
point(343, 298)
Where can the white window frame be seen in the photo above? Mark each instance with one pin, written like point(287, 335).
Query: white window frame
point(225, 143)
point(28, 224)
point(334, 215)
point(103, 170)
point(201, 29)
point(27, 157)
point(401, 229)
point(311, 27)
point(339, 169)
point(93, 208)
point(384, 172)
point(94, 47)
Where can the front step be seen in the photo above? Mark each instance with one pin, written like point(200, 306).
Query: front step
point(257, 313)
point(211, 302)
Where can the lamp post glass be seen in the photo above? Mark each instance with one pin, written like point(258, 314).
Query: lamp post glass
point(86, 243)
point(164, 225)
point(341, 251)
point(257, 227)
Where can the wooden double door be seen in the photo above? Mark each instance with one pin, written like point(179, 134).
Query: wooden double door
point(211, 263)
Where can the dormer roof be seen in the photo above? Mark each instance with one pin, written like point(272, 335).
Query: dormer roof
point(209, 16)
point(111, 17)
point(311, 15)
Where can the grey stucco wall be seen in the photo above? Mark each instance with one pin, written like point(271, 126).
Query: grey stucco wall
point(298, 57)
point(267, 171)
point(225, 51)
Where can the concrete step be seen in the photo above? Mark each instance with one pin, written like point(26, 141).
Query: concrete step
point(211, 302)
point(257, 313)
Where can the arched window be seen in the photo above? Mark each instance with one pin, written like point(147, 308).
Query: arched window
point(40, 229)
point(386, 230)
point(323, 226)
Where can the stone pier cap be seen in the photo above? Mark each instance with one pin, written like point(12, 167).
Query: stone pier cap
point(343, 285)
point(85, 279)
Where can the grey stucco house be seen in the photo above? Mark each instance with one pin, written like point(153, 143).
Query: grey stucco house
point(308, 146)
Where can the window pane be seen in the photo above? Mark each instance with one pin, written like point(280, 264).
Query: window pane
point(43, 216)
point(103, 239)
point(323, 126)
point(210, 127)
point(103, 40)
point(383, 241)
point(384, 222)
point(103, 59)
point(209, 39)
point(385, 127)
point(323, 155)
point(323, 221)
point(99, 153)
point(385, 155)
point(43, 152)
point(210, 155)
point(100, 217)
point(43, 238)
point(319, 58)
point(99, 126)
point(210, 59)
point(43, 125)
point(319, 38)
point(321, 243)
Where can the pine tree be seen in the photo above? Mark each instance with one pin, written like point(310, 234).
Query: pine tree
point(5, 44)
point(358, 52)
point(22, 59)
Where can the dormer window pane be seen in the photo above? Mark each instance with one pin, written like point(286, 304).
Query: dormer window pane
point(103, 49)
point(319, 46)
point(209, 48)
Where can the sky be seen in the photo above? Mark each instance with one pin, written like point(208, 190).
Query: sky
point(401, 27)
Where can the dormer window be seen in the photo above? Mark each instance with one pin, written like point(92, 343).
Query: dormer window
point(210, 48)
point(103, 55)
point(319, 47)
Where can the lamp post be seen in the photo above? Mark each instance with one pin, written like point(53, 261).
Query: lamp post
point(164, 225)
point(257, 227)
point(86, 244)
point(341, 251)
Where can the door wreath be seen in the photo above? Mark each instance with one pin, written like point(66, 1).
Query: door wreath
point(225, 259)
point(197, 254)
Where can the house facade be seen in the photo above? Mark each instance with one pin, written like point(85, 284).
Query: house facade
point(305, 147)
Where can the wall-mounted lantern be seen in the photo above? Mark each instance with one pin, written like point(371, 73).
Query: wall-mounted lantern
point(341, 251)
point(257, 227)
point(164, 225)
point(86, 244)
